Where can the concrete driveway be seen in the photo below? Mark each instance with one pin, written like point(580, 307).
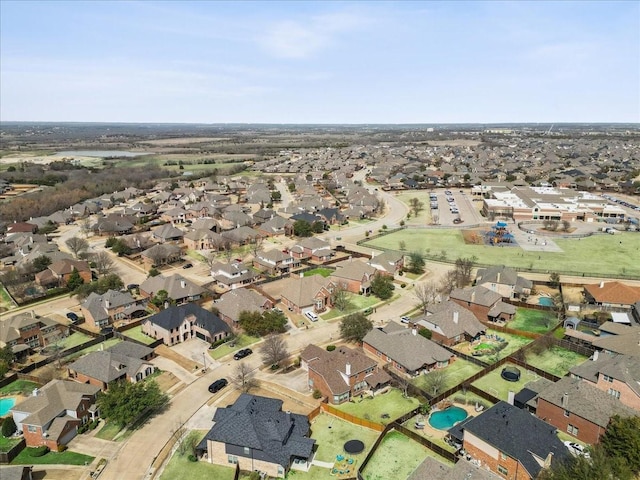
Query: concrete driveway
point(295, 380)
point(96, 447)
point(196, 350)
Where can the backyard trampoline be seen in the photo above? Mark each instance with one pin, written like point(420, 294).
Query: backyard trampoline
point(510, 374)
point(354, 446)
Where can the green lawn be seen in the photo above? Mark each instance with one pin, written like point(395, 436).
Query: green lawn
point(455, 374)
point(331, 441)
point(136, 334)
point(598, 254)
point(395, 458)
point(99, 346)
point(391, 403)
point(73, 340)
point(556, 360)
point(19, 386)
point(497, 386)
point(5, 299)
point(358, 303)
point(62, 458)
point(241, 341)
point(325, 272)
point(108, 431)
point(424, 217)
point(534, 321)
point(7, 444)
point(515, 342)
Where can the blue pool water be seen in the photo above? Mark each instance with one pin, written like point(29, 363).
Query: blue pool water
point(546, 301)
point(6, 404)
point(445, 419)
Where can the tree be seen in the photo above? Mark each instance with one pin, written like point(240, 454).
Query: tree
point(382, 286)
point(77, 245)
point(274, 350)
point(416, 262)
point(7, 357)
point(425, 332)
point(189, 444)
point(302, 228)
point(110, 281)
point(8, 427)
point(622, 440)
point(259, 324)
point(243, 377)
point(448, 282)
point(75, 280)
point(463, 269)
point(434, 382)
point(160, 298)
point(317, 227)
point(228, 250)
point(566, 225)
point(416, 206)
point(124, 401)
point(41, 263)
point(120, 248)
point(340, 298)
point(154, 272)
point(104, 262)
point(598, 466)
point(354, 327)
point(256, 244)
point(554, 280)
point(402, 245)
point(427, 294)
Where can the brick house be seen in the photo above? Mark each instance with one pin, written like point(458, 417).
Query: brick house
point(388, 263)
point(354, 276)
point(27, 330)
point(342, 373)
point(275, 262)
point(183, 322)
point(102, 310)
point(255, 434)
point(451, 323)
point(301, 294)
point(505, 281)
point(161, 254)
point(232, 275)
point(178, 288)
point(407, 351)
point(59, 273)
point(52, 415)
point(510, 442)
point(485, 304)
point(312, 248)
point(579, 408)
point(232, 303)
point(611, 294)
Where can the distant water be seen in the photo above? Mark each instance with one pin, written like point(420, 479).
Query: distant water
point(99, 153)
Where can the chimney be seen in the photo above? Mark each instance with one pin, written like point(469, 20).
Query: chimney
point(565, 400)
point(498, 279)
point(547, 461)
point(473, 296)
point(33, 314)
point(602, 284)
point(511, 397)
point(107, 304)
point(414, 330)
point(183, 284)
point(347, 369)
point(596, 354)
point(455, 317)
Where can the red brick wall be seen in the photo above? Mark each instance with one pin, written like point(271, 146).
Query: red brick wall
point(587, 432)
point(79, 377)
point(478, 310)
point(515, 471)
point(439, 338)
point(627, 396)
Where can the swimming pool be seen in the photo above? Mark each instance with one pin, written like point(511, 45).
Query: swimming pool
point(447, 418)
point(6, 404)
point(545, 301)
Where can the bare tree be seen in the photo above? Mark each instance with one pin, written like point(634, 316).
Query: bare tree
point(274, 350)
point(402, 245)
point(448, 282)
point(104, 263)
point(416, 206)
point(256, 244)
point(427, 294)
point(566, 225)
point(435, 382)
point(341, 297)
point(228, 250)
point(243, 377)
point(211, 259)
point(463, 269)
point(85, 226)
point(77, 245)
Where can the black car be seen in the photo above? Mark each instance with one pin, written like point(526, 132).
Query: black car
point(218, 385)
point(72, 316)
point(240, 354)
point(106, 330)
point(187, 265)
point(133, 286)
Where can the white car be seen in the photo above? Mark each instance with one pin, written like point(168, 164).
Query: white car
point(576, 449)
point(311, 316)
point(405, 319)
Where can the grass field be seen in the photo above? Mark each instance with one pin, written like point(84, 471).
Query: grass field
point(331, 441)
point(358, 303)
point(19, 386)
point(6, 301)
point(391, 403)
point(100, 346)
point(599, 254)
point(455, 374)
point(534, 321)
point(108, 431)
point(395, 458)
point(241, 341)
point(556, 360)
point(61, 458)
point(325, 272)
point(136, 334)
point(497, 386)
point(73, 340)
point(516, 342)
point(424, 217)
point(7, 444)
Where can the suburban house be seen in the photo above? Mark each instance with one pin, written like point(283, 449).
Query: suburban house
point(407, 351)
point(313, 249)
point(167, 233)
point(255, 434)
point(354, 276)
point(451, 323)
point(342, 373)
point(59, 273)
point(275, 226)
point(616, 375)
point(312, 293)
point(110, 307)
point(52, 415)
point(161, 254)
point(203, 239)
point(183, 322)
point(275, 262)
point(611, 294)
point(178, 288)
point(124, 361)
point(579, 408)
point(232, 275)
point(27, 330)
point(510, 442)
point(232, 303)
point(433, 469)
point(505, 281)
point(388, 262)
point(485, 304)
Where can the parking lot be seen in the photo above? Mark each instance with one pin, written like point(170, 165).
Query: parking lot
point(454, 207)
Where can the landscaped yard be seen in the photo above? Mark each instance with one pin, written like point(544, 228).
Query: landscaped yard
point(455, 374)
point(108, 431)
point(325, 272)
point(395, 458)
point(556, 360)
point(601, 254)
point(241, 341)
point(391, 403)
point(497, 386)
point(63, 458)
point(358, 303)
point(19, 386)
point(7, 444)
point(534, 321)
point(73, 340)
point(94, 348)
point(515, 342)
point(136, 334)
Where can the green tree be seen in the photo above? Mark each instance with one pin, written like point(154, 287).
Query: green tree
point(276, 196)
point(554, 280)
point(425, 332)
point(161, 297)
point(598, 467)
point(259, 324)
point(100, 286)
point(382, 286)
point(124, 401)
point(416, 262)
point(354, 327)
point(41, 263)
point(75, 280)
point(8, 427)
point(302, 228)
point(154, 272)
point(6, 359)
point(317, 227)
point(622, 440)
point(120, 248)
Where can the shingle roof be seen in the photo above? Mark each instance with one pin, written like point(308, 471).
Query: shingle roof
point(623, 343)
point(302, 291)
point(444, 316)
point(625, 368)
point(107, 366)
point(432, 469)
point(241, 299)
point(613, 292)
point(173, 317)
point(476, 295)
point(176, 286)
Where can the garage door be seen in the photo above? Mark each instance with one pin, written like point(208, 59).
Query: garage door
point(67, 437)
point(201, 336)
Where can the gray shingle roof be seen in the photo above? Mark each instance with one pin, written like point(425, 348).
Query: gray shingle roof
point(173, 317)
point(443, 317)
point(107, 366)
point(476, 295)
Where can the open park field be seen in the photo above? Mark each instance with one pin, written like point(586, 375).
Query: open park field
point(598, 255)
point(424, 217)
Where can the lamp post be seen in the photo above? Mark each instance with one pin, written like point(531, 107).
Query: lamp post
point(204, 361)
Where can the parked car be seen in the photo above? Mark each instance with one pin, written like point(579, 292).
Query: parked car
point(240, 354)
point(133, 286)
point(576, 449)
point(106, 330)
point(218, 385)
point(311, 316)
point(368, 311)
point(73, 317)
point(187, 265)
point(457, 220)
point(405, 319)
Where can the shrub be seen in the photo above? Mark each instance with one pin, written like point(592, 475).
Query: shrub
point(192, 458)
point(402, 285)
point(331, 348)
point(8, 427)
point(61, 448)
point(37, 451)
point(317, 394)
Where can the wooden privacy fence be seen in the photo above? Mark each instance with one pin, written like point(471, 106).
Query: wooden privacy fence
point(351, 419)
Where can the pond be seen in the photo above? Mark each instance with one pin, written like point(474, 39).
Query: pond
point(6, 404)
point(447, 418)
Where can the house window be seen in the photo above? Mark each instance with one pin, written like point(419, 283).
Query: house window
point(503, 470)
point(503, 456)
point(614, 393)
point(607, 378)
point(247, 451)
point(566, 413)
point(572, 430)
point(32, 428)
point(232, 459)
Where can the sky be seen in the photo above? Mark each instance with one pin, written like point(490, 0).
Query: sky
point(320, 62)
